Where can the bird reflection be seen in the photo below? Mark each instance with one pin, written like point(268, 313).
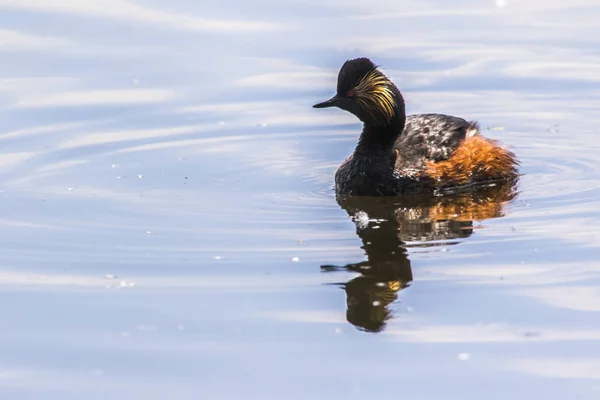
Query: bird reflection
point(387, 226)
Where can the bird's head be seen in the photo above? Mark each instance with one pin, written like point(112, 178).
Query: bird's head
point(366, 92)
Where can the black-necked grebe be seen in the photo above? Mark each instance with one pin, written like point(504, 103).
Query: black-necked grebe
point(397, 154)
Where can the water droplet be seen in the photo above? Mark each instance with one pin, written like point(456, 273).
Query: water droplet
point(295, 259)
point(149, 233)
point(464, 356)
point(115, 166)
point(361, 219)
point(110, 276)
point(217, 257)
point(140, 176)
point(376, 303)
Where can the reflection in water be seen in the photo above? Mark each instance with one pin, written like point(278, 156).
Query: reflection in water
point(386, 225)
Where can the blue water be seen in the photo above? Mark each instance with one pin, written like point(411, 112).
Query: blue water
point(166, 204)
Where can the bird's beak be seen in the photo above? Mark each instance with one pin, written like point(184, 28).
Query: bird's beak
point(332, 102)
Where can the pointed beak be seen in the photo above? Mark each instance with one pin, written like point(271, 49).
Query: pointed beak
point(332, 102)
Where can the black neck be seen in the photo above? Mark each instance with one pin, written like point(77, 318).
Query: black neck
point(382, 138)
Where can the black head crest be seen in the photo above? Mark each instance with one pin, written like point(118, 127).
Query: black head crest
point(352, 71)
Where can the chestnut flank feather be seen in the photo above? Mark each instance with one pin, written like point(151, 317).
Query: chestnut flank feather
point(477, 159)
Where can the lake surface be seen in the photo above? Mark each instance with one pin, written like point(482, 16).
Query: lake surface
point(169, 229)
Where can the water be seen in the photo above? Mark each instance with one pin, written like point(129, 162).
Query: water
point(169, 228)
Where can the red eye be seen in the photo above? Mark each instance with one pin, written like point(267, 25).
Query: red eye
point(351, 93)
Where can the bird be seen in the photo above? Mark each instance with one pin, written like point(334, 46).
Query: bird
point(398, 154)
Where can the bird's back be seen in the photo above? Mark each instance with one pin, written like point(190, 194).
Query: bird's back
point(433, 137)
point(450, 151)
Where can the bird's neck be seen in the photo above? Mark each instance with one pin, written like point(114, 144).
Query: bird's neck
point(381, 139)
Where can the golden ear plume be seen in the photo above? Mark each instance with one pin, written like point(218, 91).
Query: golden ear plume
point(375, 95)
